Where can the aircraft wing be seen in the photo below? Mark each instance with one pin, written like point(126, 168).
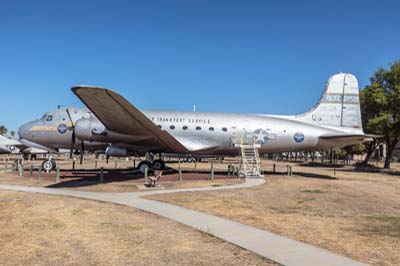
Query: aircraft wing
point(119, 115)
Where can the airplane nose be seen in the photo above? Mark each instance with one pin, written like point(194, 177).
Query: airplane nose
point(23, 131)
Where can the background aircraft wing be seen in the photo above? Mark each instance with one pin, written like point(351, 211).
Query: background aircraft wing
point(119, 115)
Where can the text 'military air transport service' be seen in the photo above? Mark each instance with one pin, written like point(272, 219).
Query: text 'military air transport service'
point(113, 124)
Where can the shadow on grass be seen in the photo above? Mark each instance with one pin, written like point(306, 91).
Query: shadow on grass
point(321, 165)
point(312, 175)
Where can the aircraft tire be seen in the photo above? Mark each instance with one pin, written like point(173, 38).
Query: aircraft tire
point(49, 165)
point(158, 165)
point(143, 164)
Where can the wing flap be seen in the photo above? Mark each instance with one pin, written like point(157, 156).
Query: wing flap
point(119, 115)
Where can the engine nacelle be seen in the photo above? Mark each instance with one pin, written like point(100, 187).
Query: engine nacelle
point(116, 151)
point(90, 129)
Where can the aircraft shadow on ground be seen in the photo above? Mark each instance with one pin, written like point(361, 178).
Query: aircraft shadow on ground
point(91, 177)
point(302, 174)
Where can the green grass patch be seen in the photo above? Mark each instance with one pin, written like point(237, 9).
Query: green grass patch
point(313, 191)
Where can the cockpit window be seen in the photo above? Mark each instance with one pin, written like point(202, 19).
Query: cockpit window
point(44, 117)
point(49, 118)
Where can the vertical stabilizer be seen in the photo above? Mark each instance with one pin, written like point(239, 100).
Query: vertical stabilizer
point(339, 105)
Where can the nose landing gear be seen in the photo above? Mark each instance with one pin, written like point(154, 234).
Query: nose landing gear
point(49, 165)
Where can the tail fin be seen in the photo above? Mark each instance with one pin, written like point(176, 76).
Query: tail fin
point(339, 105)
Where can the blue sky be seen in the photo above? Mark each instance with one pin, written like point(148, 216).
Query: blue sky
point(226, 56)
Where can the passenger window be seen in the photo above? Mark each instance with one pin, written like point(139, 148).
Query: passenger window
point(185, 127)
point(198, 128)
point(211, 129)
point(49, 118)
point(172, 127)
point(224, 129)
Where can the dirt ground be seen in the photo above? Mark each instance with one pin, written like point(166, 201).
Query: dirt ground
point(356, 214)
point(44, 230)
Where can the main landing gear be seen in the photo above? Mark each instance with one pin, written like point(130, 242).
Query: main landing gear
point(155, 165)
point(49, 164)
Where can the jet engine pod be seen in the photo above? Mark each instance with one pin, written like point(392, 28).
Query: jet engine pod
point(90, 129)
point(116, 151)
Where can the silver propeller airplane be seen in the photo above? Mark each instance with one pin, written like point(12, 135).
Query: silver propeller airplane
point(114, 124)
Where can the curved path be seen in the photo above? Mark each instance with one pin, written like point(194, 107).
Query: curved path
point(280, 249)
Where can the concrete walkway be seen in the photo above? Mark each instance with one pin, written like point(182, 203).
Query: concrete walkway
point(280, 249)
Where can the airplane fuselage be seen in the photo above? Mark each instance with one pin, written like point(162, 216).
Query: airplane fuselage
point(200, 133)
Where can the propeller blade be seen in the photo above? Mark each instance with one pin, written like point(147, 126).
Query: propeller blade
point(82, 151)
point(72, 144)
point(70, 118)
point(71, 150)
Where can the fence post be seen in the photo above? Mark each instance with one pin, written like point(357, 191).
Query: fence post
point(95, 164)
point(40, 172)
point(5, 165)
point(58, 174)
point(21, 169)
point(31, 171)
point(273, 168)
point(229, 170)
point(101, 175)
point(180, 171)
point(13, 168)
point(212, 171)
point(116, 163)
point(146, 173)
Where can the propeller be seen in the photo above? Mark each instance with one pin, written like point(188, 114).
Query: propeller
point(72, 127)
point(73, 139)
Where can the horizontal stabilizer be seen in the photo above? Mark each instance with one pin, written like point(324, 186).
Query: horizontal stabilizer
point(338, 141)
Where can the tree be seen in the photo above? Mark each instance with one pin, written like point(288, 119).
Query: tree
point(380, 102)
point(369, 109)
point(12, 134)
point(3, 130)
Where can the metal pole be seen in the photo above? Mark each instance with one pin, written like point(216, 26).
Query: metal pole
point(31, 171)
point(95, 164)
point(101, 175)
point(13, 168)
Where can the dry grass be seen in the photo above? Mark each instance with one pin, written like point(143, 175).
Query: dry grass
point(357, 214)
point(40, 229)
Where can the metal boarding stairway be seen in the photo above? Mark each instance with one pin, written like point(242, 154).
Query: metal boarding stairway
point(249, 157)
